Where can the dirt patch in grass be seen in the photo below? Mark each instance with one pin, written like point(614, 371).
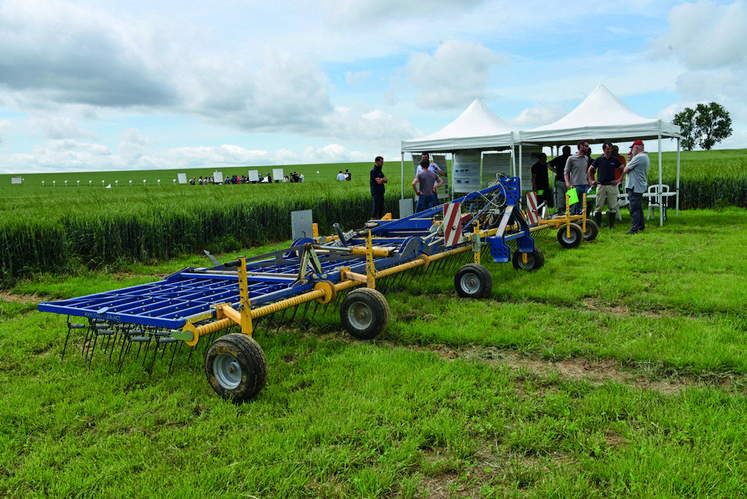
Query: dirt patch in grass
point(24, 299)
point(575, 369)
point(593, 372)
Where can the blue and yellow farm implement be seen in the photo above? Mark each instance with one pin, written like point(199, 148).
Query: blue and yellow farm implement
point(288, 286)
point(571, 229)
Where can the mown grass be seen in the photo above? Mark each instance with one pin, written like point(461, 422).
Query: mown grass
point(617, 370)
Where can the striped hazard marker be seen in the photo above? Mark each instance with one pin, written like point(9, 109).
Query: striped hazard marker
point(532, 208)
point(452, 223)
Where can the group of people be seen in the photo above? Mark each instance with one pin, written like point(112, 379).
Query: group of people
point(572, 171)
point(607, 172)
point(244, 179)
point(344, 177)
point(425, 184)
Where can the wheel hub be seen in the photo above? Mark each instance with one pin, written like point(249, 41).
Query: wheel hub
point(470, 283)
point(360, 315)
point(227, 371)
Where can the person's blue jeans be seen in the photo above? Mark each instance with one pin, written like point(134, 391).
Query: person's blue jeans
point(425, 202)
point(578, 208)
point(637, 221)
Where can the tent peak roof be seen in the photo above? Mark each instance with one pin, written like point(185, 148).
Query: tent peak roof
point(601, 107)
point(478, 119)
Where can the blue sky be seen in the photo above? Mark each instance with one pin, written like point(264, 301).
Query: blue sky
point(120, 85)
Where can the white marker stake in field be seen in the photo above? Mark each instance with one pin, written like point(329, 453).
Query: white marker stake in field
point(452, 223)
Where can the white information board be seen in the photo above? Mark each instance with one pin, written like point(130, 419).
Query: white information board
point(182, 178)
point(466, 177)
point(218, 177)
point(495, 164)
point(277, 174)
point(16, 180)
point(253, 175)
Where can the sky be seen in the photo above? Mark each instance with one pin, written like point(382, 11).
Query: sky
point(142, 84)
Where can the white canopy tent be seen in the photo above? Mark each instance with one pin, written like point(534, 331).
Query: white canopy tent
point(603, 117)
point(476, 129)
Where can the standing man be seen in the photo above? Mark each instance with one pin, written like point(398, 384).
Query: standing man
point(541, 182)
point(429, 181)
point(425, 163)
point(576, 175)
point(636, 184)
point(609, 173)
point(557, 166)
point(377, 188)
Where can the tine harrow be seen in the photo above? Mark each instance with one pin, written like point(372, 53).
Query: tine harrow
point(286, 289)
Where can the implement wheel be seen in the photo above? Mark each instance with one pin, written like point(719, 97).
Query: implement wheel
point(365, 313)
point(592, 230)
point(473, 281)
point(535, 260)
point(236, 367)
point(577, 235)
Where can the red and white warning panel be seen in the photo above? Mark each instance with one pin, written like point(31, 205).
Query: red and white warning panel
point(532, 208)
point(452, 223)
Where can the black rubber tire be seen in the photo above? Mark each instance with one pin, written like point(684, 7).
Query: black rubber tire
point(577, 235)
point(236, 367)
point(365, 313)
point(535, 260)
point(473, 281)
point(592, 230)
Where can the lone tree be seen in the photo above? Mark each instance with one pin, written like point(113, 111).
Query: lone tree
point(706, 125)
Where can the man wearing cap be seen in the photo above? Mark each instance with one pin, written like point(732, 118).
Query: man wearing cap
point(636, 184)
point(576, 176)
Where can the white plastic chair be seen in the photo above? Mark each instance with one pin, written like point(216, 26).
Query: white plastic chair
point(622, 202)
point(657, 198)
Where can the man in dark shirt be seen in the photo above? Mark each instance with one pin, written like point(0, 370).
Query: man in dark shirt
point(556, 166)
point(606, 168)
point(541, 183)
point(378, 179)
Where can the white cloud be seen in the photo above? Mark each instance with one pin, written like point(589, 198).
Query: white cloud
point(59, 52)
point(373, 12)
point(60, 127)
point(455, 74)
point(539, 115)
point(706, 35)
point(140, 84)
point(357, 78)
point(332, 153)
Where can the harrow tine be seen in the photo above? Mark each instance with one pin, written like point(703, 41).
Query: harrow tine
point(292, 319)
point(108, 333)
point(259, 324)
point(125, 347)
point(270, 322)
point(175, 346)
point(87, 339)
point(280, 322)
point(91, 345)
point(316, 307)
point(191, 349)
point(70, 327)
point(302, 324)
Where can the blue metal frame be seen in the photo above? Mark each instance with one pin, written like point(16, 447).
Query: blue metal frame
point(189, 294)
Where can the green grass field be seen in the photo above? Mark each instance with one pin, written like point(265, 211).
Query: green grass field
point(619, 369)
